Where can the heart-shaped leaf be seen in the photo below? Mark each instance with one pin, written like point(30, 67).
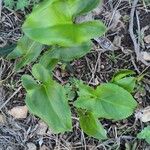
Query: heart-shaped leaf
point(121, 78)
point(57, 25)
point(107, 101)
point(47, 100)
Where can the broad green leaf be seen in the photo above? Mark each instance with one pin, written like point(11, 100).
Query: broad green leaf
point(121, 78)
point(145, 134)
point(49, 102)
point(51, 57)
point(66, 34)
point(27, 51)
point(91, 125)
point(108, 101)
point(127, 83)
point(121, 74)
point(57, 25)
point(79, 7)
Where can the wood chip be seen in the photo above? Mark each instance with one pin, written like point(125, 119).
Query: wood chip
point(147, 39)
point(19, 112)
point(143, 114)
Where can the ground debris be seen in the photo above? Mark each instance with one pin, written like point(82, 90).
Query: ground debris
point(31, 146)
point(146, 56)
point(143, 114)
point(42, 127)
point(147, 39)
point(2, 119)
point(19, 112)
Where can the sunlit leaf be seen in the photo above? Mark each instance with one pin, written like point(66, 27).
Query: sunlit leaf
point(106, 101)
point(57, 25)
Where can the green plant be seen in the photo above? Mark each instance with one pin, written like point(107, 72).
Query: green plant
point(145, 134)
point(68, 40)
point(19, 4)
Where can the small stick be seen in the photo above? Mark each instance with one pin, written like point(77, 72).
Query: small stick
point(3, 105)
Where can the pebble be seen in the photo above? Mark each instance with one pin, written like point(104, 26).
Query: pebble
point(147, 39)
point(19, 112)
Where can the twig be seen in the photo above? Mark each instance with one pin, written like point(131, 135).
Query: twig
point(136, 48)
point(133, 37)
point(10, 98)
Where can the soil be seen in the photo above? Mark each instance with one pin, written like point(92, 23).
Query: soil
point(95, 68)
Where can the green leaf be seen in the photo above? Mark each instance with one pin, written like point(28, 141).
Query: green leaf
point(48, 101)
point(108, 101)
point(91, 125)
point(121, 78)
point(27, 51)
point(66, 34)
point(145, 134)
point(127, 83)
point(79, 7)
point(121, 74)
point(51, 57)
point(9, 3)
point(21, 4)
point(41, 74)
point(58, 27)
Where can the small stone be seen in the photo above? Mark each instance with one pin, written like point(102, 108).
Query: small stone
point(19, 112)
point(143, 114)
point(31, 146)
point(146, 56)
point(42, 127)
point(147, 39)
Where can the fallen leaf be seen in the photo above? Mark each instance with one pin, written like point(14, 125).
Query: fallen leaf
point(31, 146)
point(147, 39)
point(146, 56)
point(19, 112)
point(143, 114)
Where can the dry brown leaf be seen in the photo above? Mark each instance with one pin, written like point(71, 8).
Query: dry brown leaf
point(143, 114)
point(19, 112)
